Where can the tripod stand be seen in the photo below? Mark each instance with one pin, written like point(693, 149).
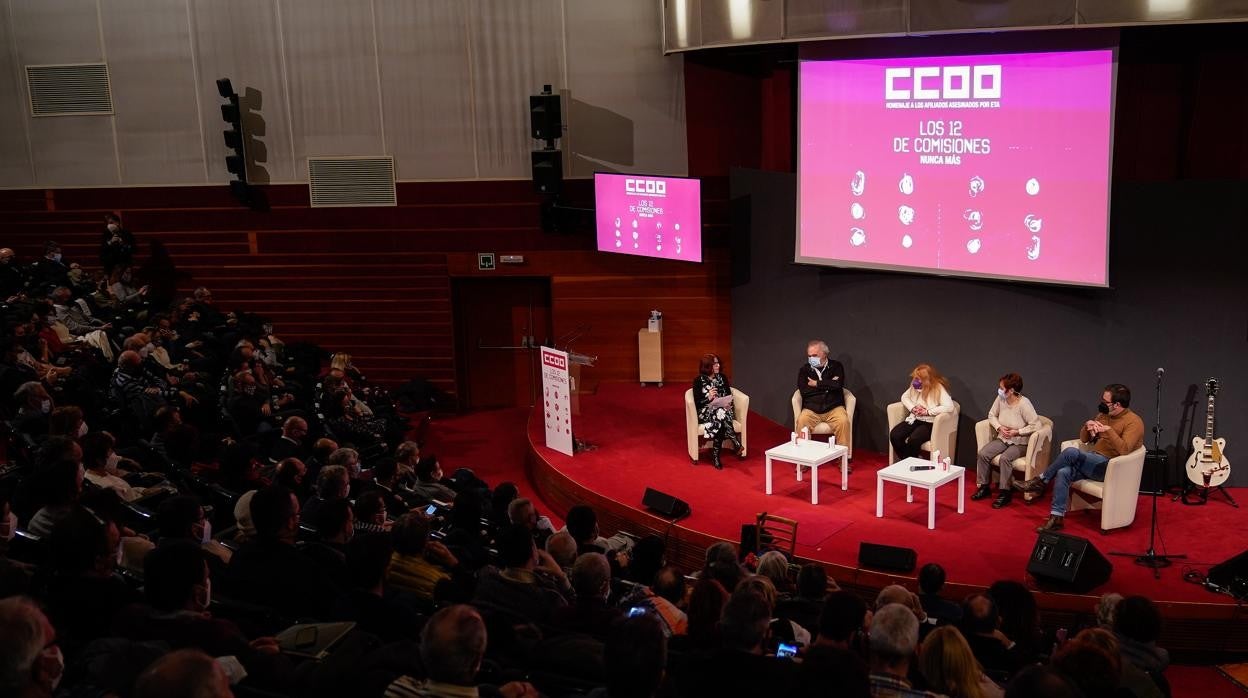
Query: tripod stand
point(1150, 558)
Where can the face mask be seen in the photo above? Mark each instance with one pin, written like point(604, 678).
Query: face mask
point(54, 653)
point(813, 361)
point(56, 257)
point(206, 535)
point(45, 406)
point(1001, 393)
point(1102, 408)
point(82, 430)
point(8, 528)
point(916, 384)
point(145, 350)
point(111, 464)
point(121, 554)
point(113, 227)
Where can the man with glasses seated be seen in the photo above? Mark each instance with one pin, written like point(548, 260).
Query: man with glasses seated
point(1114, 432)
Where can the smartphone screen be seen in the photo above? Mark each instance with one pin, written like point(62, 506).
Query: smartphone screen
point(431, 510)
point(636, 611)
point(786, 650)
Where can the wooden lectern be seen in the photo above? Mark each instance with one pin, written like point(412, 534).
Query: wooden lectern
point(650, 357)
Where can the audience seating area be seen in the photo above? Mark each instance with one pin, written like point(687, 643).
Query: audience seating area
point(190, 505)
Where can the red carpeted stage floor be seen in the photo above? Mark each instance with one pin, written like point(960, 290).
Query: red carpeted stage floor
point(640, 438)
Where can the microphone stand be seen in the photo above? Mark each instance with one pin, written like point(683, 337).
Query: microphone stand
point(1150, 558)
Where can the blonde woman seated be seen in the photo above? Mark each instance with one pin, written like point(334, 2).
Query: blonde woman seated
point(927, 396)
point(1013, 418)
point(951, 669)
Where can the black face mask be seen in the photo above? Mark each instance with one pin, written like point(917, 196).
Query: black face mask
point(1102, 408)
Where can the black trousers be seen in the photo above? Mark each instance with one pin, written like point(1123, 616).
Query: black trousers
point(906, 438)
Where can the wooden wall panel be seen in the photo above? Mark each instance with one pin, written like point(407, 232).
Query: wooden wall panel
point(376, 282)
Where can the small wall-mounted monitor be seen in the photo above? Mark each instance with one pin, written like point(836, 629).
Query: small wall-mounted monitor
point(649, 215)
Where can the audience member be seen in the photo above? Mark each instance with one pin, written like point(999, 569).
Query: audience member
point(1089, 666)
point(1133, 679)
point(419, 565)
point(997, 653)
point(591, 584)
point(636, 659)
point(31, 663)
point(452, 646)
point(530, 584)
point(931, 581)
point(366, 601)
point(894, 637)
point(1041, 682)
point(562, 547)
point(950, 668)
point(332, 483)
point(741, 667)
point(662, 598)
point(190, 673)
point(1137, 625)
point(269, 570)
point(803, 607)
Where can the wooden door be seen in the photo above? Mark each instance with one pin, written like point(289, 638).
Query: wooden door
point(499, 324)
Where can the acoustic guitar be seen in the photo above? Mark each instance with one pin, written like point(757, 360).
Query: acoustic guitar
point(1208, 466)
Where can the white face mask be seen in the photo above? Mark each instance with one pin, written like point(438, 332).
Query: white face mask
point(1001, 393)
point(110, 465)
point(121, 554)
point(82, 429)
point(113, 227)
point(54, 653)
point(206, 535)
point(8, 527)
point(46, 406)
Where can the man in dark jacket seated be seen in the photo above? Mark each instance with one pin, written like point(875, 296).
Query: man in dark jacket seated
point(268, 570)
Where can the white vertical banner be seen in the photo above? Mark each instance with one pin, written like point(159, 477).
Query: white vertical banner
point(556, 400)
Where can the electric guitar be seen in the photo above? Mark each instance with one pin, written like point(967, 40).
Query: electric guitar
point(1208, 466)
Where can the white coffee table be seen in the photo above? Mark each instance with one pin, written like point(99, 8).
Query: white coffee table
point(809, 454)
point(929, 480)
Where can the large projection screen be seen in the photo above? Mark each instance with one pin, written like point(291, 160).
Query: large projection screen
point(989, 166)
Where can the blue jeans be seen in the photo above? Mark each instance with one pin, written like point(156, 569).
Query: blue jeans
point(1072, 465)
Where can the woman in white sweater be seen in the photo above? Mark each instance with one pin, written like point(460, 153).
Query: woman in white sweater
point(927, 396)
point(1013, 419)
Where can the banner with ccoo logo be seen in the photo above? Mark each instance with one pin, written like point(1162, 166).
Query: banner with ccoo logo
point(557, 400)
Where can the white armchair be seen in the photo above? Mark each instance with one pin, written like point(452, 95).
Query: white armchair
point(851, 403)
point(1037, 458)
point(1116, 496)
point(944, 431)
point(693, 428)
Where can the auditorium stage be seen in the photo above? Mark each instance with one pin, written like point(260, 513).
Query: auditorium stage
point(640, 438)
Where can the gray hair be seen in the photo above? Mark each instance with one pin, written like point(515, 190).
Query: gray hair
point(406, 450)
point(186, 672)
point(516, 507)
point(562, 547)
point(346, 457)
point(20, 643)
point(591, 574)
point(330, 479)
point(894, 633)
point(774, 566)
point(1107, 609)
point(452, 645)
point(820, 344)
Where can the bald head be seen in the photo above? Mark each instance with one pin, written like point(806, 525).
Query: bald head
point(562, 547)
point(295, 428)
point(452, 645)
point(189, 673)
point(129, 359)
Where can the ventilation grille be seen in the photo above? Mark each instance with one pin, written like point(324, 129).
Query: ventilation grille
point(358, 181)
point(63, 90)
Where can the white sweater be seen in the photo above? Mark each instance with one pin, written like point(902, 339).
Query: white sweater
point(941, 404)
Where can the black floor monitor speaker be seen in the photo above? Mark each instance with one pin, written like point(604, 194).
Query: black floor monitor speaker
point(665, 504)
point(887, 557)
point(1068, 563)
point(1232, 575)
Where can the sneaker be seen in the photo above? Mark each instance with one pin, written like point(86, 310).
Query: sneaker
point(982, 492)
point(1002, 499)
point(1035, 485)
point(1053, 524)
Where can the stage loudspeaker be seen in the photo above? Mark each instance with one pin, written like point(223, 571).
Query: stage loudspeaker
point(1068, 563)
point(548, 171)
point(1156, 475)
point(887, 557)
point(545, 116)
point(1231, 575)
point(665, 504)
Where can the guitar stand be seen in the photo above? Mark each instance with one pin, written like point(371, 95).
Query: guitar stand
point(1202, 495)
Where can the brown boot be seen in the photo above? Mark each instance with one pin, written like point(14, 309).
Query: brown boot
point(1035, 485)
point(1053, 524)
